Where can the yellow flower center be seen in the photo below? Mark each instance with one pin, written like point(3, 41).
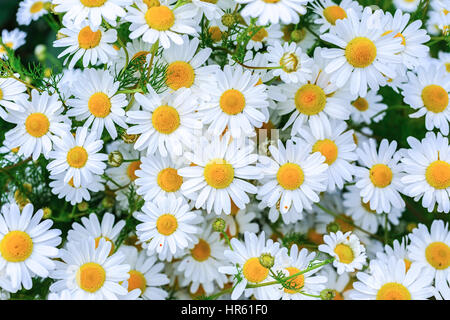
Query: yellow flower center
point(333, 13)
point(1, 94)
point(16, 246)
point(310, 99)
point(8, 44)
point(201, 251)
point(169, 180)
point(215, 33)
point(91, 276)
point(360, 52)
point(271, 1)
point(437, 174)
point(290, 176)
point(131, 170)
point(232, 101)
point(254, 271)
point(152, 3)
point(99, 105)
point(393, 291)
point(160, 18)
point(380, 175)
point(166, 119)
point(88, 39)
point(37, 124)
point(345, 253)
point(297, 282)
point(438, 255)
point(77, 157)
point(407, 264)
point(97, 241)
point(166, 224)
point(36, 7)
point(361, 104)
point(218, 173)
point(260, 35)
point(447, 66)
point(179, 74)
point(435, 98)
point(328, 149)
point(289, 62)
point(337, 295)
point(137, 281)
point(93, 3)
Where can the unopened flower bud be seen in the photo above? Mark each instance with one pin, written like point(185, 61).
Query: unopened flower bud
point(115, 159)
point(298, 35)
point(40, 51)
point(47, 72)
point(327, 294)
point(47, 212)
point(108, 202)
point(83, 206)
point(219, 225)
point(228, 19)
point(266, 260)
point(332, 227)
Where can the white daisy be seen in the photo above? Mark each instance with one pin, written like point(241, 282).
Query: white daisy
point(406, 5)
point(368, 108)
point(264, 36)
point(329, 12)
point(213, 9)
point(398, 250)
point(444, 59)
point(74, 194)
point(30, 10)
point(12, 39)
point(10, 90)
point(274, 11)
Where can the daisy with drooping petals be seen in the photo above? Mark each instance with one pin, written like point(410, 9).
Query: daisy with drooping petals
point(329, 12)
point(163, 23)
point(219, 173)
point(274, 11)
point(380, 178)
point(364, 56)
point(74, 194)
point(89, 272)
point(38, 124)
point(12, 39)
point(10, 90)
point(96, 101)
point(30, 10)
point(27, 245)
point(368, 108)
point(78, 156)
point(349, 253)
point(427, 171)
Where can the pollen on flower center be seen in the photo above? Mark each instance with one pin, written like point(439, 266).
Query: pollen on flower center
point(93, 3)
point(260, 35)
point(380, 175)
point(393, 291)
point(99, 105)
point(201, 251)
point(310, 99)
point(361, 104)
point(36, 7)
point(131, 169)
point(179, 74)
point(91, 276)
point(437, 174)
point(77, 157)
point(160, 18)
point(169, 180)
point(435, 98)
point(438, 255)
point(328, 149)
point(16, 246)
point(97, 241)
point(88, 39)
point(253, 270)
point(333, 13)
point(297, 282)
point(37, 124)
point(166, 119)
point(290, 176)
point(166, 224)
point(289, 62)
point(137, 281)
point(218, 173)
point(232, 102)
point(345, 253)
point(360, 52)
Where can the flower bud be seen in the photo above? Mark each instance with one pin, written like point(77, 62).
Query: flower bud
point(40, 51)
point(219, 225)
point(327, 294)
point(266, 260)
point(228, 19)
point(47, 212)
point(129, 138)
point(298, 35)
point(108, 202)
point(115, 159)
point(332, 227)
point(83, 206)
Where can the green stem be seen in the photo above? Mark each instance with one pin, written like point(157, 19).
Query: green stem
point(227, 239)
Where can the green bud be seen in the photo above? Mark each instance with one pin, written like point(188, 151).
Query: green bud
point(298, 35)
point(327, 294)
point(47, 212)
point(219, 225)
point(108, 202)
point(40, 51)
point(83, 206)
point(228, 19)
point(333, 227)
point(115, 159)
point(266, 260)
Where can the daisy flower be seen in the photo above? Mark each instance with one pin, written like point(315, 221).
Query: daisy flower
point(444, 59)
point(145, 274)
point(218, 176)
point(264, 36)
point(89, 272)
point(78, 157)
point(329, 12)
point(380, 178)
point(428, 91)
point(163, 23)
point(10, 90)
point(12, 39)
point(97, 103)
point(390, 281)
point(87, 44)
point(213, 9)
point(398, 250)
point(238, 103)
point(165, 123)
point(245, 261)
point(27, 245)
point(406, 5)
point(427, 171)
point(364, 55)
point(125, 174)
point(74, 194)
point(30, 10)
point(349, 253)
point(38, 123)
point(169, 226)
point(368, 108)
point(274, 11)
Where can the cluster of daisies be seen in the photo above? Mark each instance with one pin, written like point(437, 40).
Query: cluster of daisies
point(229, 143)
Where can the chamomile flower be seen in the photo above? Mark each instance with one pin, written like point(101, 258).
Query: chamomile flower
point(86, 44)
point(380, 178)
point(367, 109)
point(428, 91)
point(165, 123)
point(89, 272)
point(213, 9)
point(246, 254)
point(27, 245)
point(427, 171)
point(38, 124)
point(139, 53)
point(30, 10)
point(238, 103)
point(168, 225)
point(274, 11)
point(292, 176)
point(125, 174)
point(264, 36)
point(78, 157)
point(10, 90)
point(218, 176)
point(364, 56)
point(390, 281)
point(329, 12)
point(398, 250)
point(444, 59)
point(163, 23)
point(74, 194)
point(12, 39)
point(97, 103)
point(301, 36)
point(406, 5)
point(349, 253)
